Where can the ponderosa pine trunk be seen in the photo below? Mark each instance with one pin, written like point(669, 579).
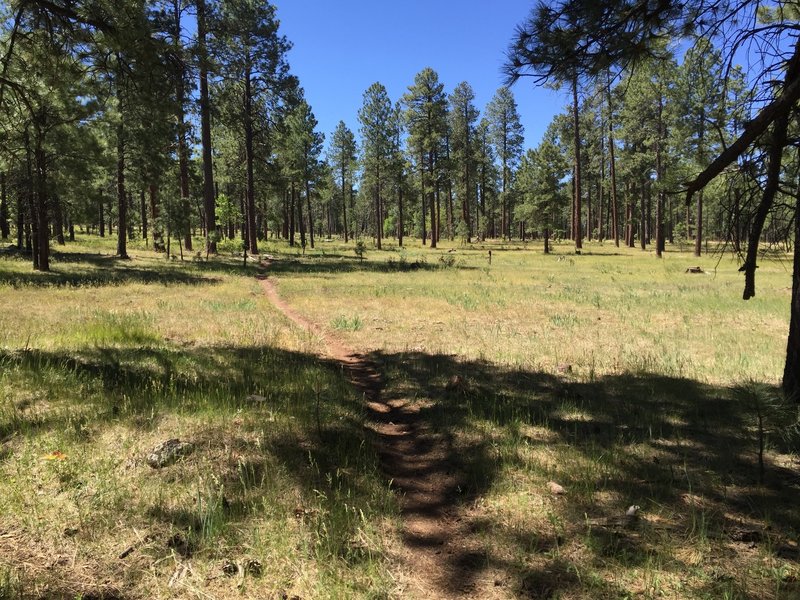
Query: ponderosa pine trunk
point(143, 213)
point(209, 203)
point(101, 214)
point(400, 223)
point(5, 228)
point(310, 213)
point(58, 220)
point(180, 101)
point(252, 237)
point(32, 243)
point(434, 228)
point(41, 249)
point(660, 246)
point(577, 166)
point(122, 197)
point(344, 204)
point(378, 204)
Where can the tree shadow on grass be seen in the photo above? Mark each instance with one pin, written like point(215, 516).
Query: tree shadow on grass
point(284, 453)
point(74, 269)
point(333, 263)
point(682, 450)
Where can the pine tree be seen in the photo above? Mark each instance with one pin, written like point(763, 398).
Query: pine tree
point(426, 121)
point(507, 136)
point(375, 118)
point(463, 116)
point(342, 156)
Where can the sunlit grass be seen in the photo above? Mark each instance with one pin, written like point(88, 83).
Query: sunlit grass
point(100, 360)
point(612, 373)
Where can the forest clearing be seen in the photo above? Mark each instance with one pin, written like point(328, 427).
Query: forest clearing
point(561, 390)
point(423, 300)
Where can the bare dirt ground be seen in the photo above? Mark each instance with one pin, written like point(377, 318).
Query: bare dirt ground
point(440, 557)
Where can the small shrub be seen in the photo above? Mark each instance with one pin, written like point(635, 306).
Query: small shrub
point(360, 249)
point(447, 261)
point(347, 324)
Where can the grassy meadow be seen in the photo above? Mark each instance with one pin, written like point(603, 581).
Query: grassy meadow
point(621, 377)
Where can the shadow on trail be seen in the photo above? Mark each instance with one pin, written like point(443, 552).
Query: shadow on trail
point(674, 446)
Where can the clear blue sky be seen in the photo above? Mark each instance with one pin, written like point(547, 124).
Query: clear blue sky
point(342, 47)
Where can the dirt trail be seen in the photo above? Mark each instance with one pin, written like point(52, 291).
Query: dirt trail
point(440, 555)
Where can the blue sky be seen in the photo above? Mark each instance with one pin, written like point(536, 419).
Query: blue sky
point(342, 47)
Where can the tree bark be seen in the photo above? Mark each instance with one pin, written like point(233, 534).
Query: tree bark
point(660, 246)
point(102, 216)
point(434, 228)
point(143, 212)
point(252, 237)
point(310, 214)
point(205, 132)
point(400, 223)
point(180, 101)
point(777, 145)
point(577, 167)
point(122, 197)
point(41, 250)
point(4, 225)
point(58, 220)
point(344, 202)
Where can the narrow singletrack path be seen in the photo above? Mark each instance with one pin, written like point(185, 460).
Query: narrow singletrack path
point(439, 557)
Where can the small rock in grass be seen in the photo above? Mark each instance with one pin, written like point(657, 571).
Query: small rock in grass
point(255, 399)
point(555, 488)
point(168, 452)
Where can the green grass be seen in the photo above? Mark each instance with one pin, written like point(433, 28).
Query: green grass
point(100, 360)
point(617, 375)
point(648, 412)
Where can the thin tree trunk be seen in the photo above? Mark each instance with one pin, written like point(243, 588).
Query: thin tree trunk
point(292, 200)
point(310, 214)
point(778, 143)
point(58, 220)
point(400, 223)
point(791, 371)
point(660, 246)
point(41, 246)
point(344, 205)
point(698, 239)
point(158, 234)
point(252, 236)
point(434, 228)
point(101, 215)
point(577, 175)
point(143, 212)
point(180, 101)
point(4, 225)
point(205, 132)
point(122, 197)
